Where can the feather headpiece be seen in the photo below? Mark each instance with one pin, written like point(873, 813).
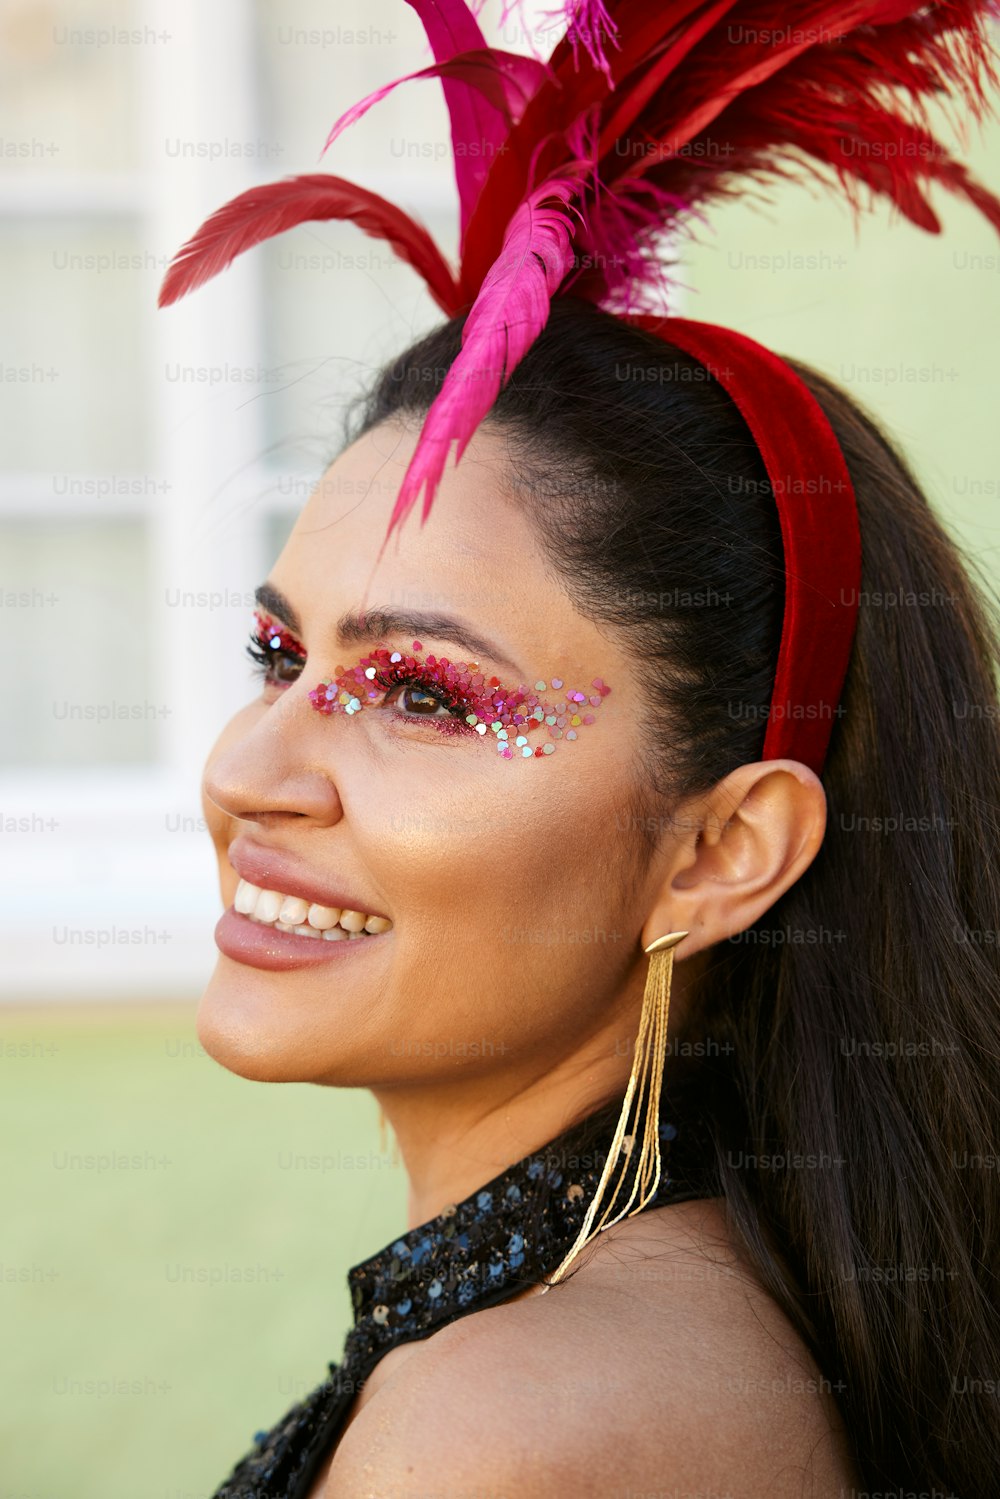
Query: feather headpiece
point(570, 170)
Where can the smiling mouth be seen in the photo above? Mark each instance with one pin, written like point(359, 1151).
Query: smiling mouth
point(291, 913)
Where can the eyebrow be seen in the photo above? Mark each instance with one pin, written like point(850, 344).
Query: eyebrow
point(381, 621)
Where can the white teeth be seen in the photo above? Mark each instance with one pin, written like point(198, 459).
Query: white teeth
point(269, 903)
point(294, 910)
point(290, 913)
point(323, 917)
point(246, 898)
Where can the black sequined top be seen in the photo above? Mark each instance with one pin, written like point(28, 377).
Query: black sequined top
point(508, 1235)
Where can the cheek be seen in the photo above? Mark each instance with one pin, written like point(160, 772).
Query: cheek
point(511, 876)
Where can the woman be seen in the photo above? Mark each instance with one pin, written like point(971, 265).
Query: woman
point(797, 1294)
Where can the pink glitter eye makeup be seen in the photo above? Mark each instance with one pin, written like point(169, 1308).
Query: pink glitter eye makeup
point(274, 651)
point(474, 703)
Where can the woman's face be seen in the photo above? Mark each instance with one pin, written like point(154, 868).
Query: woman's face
point(515, 887)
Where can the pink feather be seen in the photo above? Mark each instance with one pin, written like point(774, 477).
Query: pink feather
point(588, 25)
point(511, 310)
point(504, 79)
point(452, 30)
point(569, 173)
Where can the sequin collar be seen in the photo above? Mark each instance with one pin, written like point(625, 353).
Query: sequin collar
point(508, 1235)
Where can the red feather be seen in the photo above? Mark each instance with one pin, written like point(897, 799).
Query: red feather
point(624, 114)
point(583, 165)
point(741, 87)
point(262, 212)
point(858, 108)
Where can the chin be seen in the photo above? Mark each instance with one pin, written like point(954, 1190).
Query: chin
point(249, 1026)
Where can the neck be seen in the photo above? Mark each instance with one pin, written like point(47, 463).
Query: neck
point(456, 1135)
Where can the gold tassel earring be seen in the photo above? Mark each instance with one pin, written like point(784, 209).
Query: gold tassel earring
point(647, 1068)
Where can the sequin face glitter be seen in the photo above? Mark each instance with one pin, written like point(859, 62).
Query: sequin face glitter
point(271, 639)
point(475, 703)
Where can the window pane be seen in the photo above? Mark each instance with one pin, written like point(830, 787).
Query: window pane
point(73, 304)
point(336, 305)
point(68, 84)
point(315, 60)
point(76, 650)
point(278, 529)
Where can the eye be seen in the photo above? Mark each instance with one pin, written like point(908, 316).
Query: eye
point(277, 656)
point(275, 666)
point(419, 699)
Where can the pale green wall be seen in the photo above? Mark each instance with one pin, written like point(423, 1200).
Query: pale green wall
point(884, 295)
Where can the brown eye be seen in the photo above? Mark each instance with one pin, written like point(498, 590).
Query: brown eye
point(275, 666)
point(285, 668)
point(419, 702)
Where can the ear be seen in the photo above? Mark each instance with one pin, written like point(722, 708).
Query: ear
point(735, 851)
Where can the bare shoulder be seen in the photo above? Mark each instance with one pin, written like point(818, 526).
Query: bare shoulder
point(660, 1365)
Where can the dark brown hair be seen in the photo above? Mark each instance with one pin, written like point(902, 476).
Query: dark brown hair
point(852, 1088)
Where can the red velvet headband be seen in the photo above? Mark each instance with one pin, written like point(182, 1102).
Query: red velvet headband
point(570, 170)
point(819, 530)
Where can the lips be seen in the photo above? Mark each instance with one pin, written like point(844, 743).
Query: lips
point(258, 946)
point(274, 869)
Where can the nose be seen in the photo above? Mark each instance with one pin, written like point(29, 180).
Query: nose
point(273, 764)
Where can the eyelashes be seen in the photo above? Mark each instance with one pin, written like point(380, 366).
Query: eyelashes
point(455, 708)
point(464, 699)
point(480, 704)
point(279, 658)
point(378, 676)
point(272, 647)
